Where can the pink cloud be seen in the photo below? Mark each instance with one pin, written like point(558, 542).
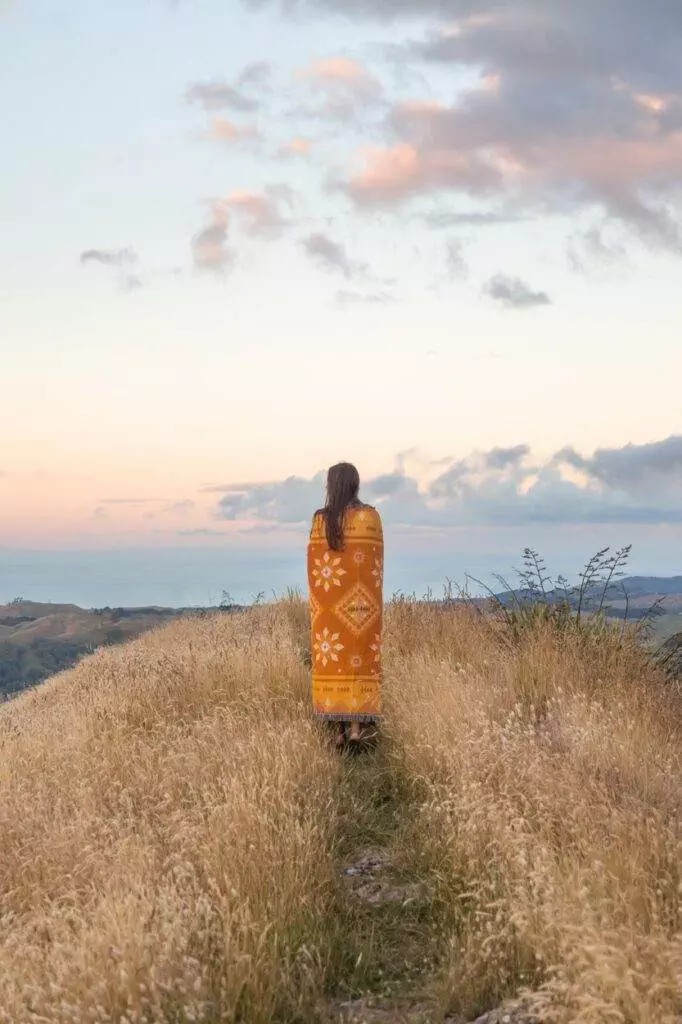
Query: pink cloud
point(421, 107)
point(222, 130)
point(573, 105)
point(261, 210)
point(338, 69)
point(296, 147)
point(473, 148)
point(388, 173)
point(347, 84)
point(619, 162)
point(209, 247)
point(401, 171)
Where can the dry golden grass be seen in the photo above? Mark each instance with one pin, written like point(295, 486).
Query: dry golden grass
point(546, 785)
point(166, 814)
point(171, 820)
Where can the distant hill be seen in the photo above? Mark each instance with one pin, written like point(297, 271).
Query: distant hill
point(37, 640)
point(636, 594)
point(648, 585)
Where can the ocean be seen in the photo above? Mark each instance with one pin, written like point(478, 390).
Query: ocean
point(198, 576)
point(190, 577)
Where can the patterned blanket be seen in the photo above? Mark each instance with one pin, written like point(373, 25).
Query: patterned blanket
point(346, 609)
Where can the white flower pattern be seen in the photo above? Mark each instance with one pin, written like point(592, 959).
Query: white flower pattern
point(378, 572)
point(328, 572)
point(327, 647)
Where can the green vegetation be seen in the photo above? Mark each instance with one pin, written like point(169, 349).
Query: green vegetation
point(23, 665)
point(599, 602)
point(39, 640)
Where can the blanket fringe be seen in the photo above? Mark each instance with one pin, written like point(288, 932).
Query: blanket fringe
point(346, 717)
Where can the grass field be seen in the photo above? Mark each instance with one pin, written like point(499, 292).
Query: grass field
point(174, 831)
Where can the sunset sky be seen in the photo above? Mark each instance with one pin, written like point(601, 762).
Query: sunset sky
point(240, 241)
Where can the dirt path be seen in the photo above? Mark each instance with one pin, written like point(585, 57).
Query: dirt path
point(385, 906)
point(390, 919)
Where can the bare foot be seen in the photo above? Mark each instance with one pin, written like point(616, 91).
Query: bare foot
point(340, 737)
point(355, 732)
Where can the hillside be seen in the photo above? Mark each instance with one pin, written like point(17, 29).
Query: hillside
point(178, 841)
point(37, 640)
point(655, 601)
point(634, 595)
point(645, 586)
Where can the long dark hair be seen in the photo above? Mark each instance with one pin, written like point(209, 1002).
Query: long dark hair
point(343, 485)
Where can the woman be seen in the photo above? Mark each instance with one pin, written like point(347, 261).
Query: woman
point(345, 578)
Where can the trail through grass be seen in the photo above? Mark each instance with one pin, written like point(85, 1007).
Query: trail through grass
point(389, 925)
point(180, 844)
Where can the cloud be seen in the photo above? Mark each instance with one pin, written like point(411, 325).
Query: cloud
point(222, 130)
point(347, 85)
point(109, 257)
point(262, 211)
point(578, 104)
point(225, 488)
point(404, 170)
point(500, 487)
point(131, 283)
point(331, 255)
point(503, 458)
point(367, 8)
point(202, 532)
point(219, 95)
point(455, 264)
point(243, 96)
point(288, 501)
point(118, 261)
point(388, 485)
point(171, 508)
point(349, 298)
point(296, 147)
point(514, 293)
point(635, 468)
point(257, 75)
point(463, 218)
point(342, 73)
point(182, 507)
point(209, 246)
point(128, 501)
point(594, 246)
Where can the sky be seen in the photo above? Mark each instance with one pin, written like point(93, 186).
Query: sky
point(244, 240)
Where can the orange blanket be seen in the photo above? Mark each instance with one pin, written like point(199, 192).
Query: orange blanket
point(346, 609)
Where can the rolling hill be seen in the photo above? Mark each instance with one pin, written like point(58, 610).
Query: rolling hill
point(37, 640)
point(179, 842)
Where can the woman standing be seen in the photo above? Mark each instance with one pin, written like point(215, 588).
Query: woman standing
point(345, 578)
